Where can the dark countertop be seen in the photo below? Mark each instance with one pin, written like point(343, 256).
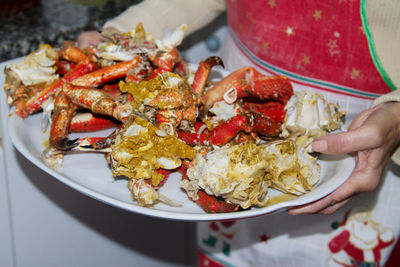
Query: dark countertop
point(52, 22)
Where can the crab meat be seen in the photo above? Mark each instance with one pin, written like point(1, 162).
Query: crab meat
point(310, 114)
point(167, 99)
point(242, 173)
point(140, 149)
point(37, 67)
point(172, 40)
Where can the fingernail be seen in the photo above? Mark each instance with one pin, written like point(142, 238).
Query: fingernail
point(320, 146)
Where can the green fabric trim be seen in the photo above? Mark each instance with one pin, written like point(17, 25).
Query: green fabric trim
point(371, 45)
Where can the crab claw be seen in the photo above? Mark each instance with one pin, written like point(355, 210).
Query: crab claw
point(216, 93)
point(203, 72)
point(65, 144)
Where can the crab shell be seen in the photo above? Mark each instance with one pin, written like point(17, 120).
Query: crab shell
point(312, 115)
point(242, 174)
point(140, 149)
point(37, 67)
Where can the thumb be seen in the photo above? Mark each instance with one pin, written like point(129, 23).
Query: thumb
point(346, 142)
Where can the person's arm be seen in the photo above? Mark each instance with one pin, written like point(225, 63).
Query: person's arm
point(157, 15)
point(374, 135)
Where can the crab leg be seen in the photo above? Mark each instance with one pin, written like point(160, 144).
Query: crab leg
point(167, 66)
point(34, 103)
point(267, 117)
point(110, 73)
point(72, 53)
point(88, 122)
point(216, 93)
point(221, 134)
point(62, 115)
point(97, 101)
point(168, 120)
point(63, 67)
point(275, 88)
point(203, 72)
point(209, 203)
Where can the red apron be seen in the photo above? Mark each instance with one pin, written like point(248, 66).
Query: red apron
point(317, 43)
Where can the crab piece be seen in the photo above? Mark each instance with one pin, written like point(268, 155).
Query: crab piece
point(220, 135)
point(202, 73)
point(262, 98)
point(217, 92)
point(242, 174)
point(36, 68)
point(124, 46)
point(63, 66)
point(162, 54)
point(88, 122)
point(167, 97)
point(72, 53)
point(34, 103)
point(97, 101)
point(312, 115)
point(61, 117)
point(140, 149)
point(273, 88)
point(72, 97)
point(209, 203)
point(109, 73)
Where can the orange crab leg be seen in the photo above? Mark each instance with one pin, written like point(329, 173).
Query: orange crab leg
point(63, 67)
point(34, 103)
point(167, 66)
point(72, 53)
point(221, 134)
point(275, 88)
point(97, 101)
point(203, 72)
point(216, 93)
point(169, 119)
point(181, 68)
point(88, 122)
point(210, 203)
point(107, 74)
point(61, 117)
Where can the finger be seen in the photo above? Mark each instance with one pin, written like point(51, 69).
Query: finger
point(333, 208)
point(362, 179)
point(360, 119)
point(326, 205)
point(345, 191)
point(358, 139)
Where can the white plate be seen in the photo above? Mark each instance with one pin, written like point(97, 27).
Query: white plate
point(90, 174)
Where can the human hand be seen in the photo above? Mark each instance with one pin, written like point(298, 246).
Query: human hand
point(371, 138)
point(89, 38)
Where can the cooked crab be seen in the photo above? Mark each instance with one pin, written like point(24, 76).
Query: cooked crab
point(242, 173)
point(140, 149)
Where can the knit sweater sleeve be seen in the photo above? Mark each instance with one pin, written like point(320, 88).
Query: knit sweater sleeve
point(158, 15)
point(383, 21)
point(393, 96)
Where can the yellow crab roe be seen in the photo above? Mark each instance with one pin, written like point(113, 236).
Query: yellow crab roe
point(135, 156)
point(168, 85)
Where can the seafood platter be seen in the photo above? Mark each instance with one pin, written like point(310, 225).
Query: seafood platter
point(130, 123)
